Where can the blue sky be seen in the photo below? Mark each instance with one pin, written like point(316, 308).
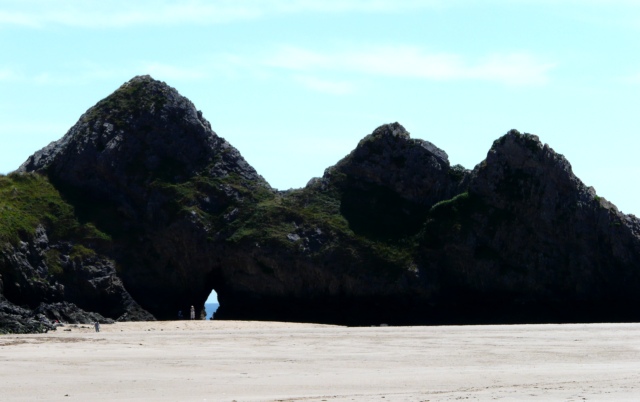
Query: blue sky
point(294, 85)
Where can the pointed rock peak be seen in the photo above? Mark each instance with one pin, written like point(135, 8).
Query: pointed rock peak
point(391, 130)
point(144, 122)
point(386, 136)
point(142, 95)
point(520, 150)
point(519, 168)
point(144, 131)
point(389, 160)
point(144, 85)
point(394, 138)
point(143, 79)
point(514, 140)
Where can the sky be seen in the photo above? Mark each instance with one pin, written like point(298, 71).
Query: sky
point(295, 84)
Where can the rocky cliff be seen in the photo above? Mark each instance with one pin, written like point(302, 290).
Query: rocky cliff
point(140, 210)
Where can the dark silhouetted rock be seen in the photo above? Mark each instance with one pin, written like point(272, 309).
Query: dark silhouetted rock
point(146, 168)
point(389, 182)
point(145, 210)
point(37, 272)
point(69, 313)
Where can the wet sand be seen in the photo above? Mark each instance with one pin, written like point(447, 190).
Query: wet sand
point(265, 361)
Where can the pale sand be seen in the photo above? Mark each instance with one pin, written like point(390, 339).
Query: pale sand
point(263, 361)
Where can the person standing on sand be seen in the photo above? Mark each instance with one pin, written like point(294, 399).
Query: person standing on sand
point(97, 325)
point(193, 313)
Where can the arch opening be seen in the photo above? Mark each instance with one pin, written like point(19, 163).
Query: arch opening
point(211, 304)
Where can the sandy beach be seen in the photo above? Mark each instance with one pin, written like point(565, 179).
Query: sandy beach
point(267, 361)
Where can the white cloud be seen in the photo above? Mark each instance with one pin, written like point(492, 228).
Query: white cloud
point(7, 74)
point(170, 72)
point(337, 71)
point(516, 68)
point(81, 74)
point(332, 87)
point(85, 72)
point(119, 13)
point(632, 79)
point(337, 6)
point(27, 128)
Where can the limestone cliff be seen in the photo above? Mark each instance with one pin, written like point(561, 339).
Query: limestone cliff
point(530, 239)
point(147, 210)
point(144, 166)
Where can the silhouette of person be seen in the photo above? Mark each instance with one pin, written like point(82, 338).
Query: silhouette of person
point(193, 313)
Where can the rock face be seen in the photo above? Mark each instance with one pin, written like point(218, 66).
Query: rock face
point(145, 167)
point(61, 281)
point(389, 182)
point(530, 240)
point(143, 134)
point(150, 210)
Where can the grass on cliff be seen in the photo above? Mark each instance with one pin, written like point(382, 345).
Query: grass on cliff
point(28, 200)
point(450, 218)
point(303, 211)
point(210, 198)
point(454, 219)
point(131, 98)
point(278, 215)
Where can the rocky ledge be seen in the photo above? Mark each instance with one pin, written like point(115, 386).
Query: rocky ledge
point(141, 209)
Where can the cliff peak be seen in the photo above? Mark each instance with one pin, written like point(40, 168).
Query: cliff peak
point(143, 132)
point(142, 191)
point(391, 129)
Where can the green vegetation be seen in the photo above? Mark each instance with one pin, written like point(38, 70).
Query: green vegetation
point(530, 141)
point(209, 198)
point(457, 172)
point(275, 216)
point(28, 200)
point(130, 99)
point(317, 207)
point(451, 218)
point(450, 214)
point(450, 206)
point(271, 220)
point(52, 258)
point(315, 210)
point(81, 252)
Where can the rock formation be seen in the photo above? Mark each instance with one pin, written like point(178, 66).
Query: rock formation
point(140, 210)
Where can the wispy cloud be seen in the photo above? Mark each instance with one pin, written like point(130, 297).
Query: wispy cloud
point(7, 74)
point(121, 13)
point(516, 68)
point(337, 70)
point(111, 14)
point(632, 78)
point(172, 72)
point(28, 128)
point(333, 87)
point(83, 72)
point(124, 13)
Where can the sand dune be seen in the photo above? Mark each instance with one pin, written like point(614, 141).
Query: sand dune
point(266, 361)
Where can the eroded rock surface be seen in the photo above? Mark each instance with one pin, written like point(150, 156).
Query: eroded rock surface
point(163, 210)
